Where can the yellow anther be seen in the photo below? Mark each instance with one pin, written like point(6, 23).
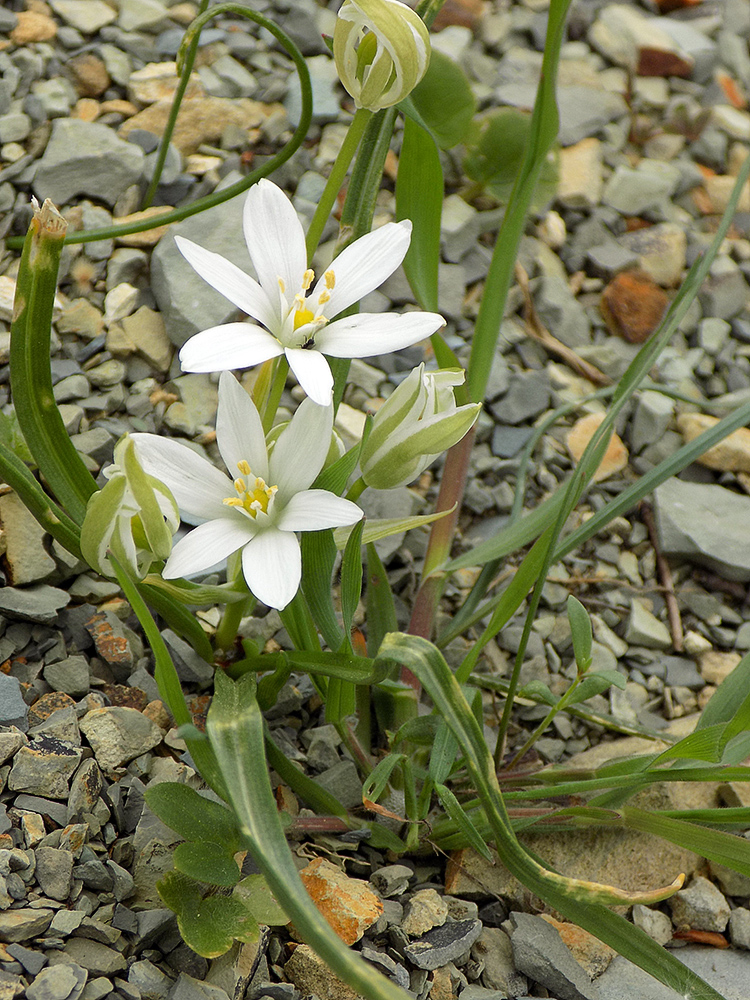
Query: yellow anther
point(244, 467)
point(307, 278)
point(330, 279)
point(232, 501)
point(251, 500)
point(239, 485)
point(323, 298)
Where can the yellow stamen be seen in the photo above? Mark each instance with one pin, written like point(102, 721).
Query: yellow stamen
point(244, 467)
point(251, 500)
point(330, 279)
point(323, 298)
point(307, 278)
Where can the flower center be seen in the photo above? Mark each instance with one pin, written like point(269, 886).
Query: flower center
point(253, 493)
point(304, 311)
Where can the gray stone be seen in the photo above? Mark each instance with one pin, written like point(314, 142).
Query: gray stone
point(191, 668)
point(13, 739)
point(150, 980)
point(609, 258)
point(97, 959)
point(494, 949)
point(660, 251)
point(342, 780)
point(646, 187)
point(94, 875)
point(40, 603)
point(443, 944)
point(322, 751)
point(725, 292)
point(54, 872)
point(739, 927)
point(32, 961)
point(13, 709)
point(44, 767)
point(425, 910)
point(701, 906)
point(623, 981)
point(65, 922)
point(584, 111)
point(655, 923)
point(652, 417)
point(21, 925)
point(540, 954)
point(119, 734)
point(732, 883)
point(85, 158)
point(527, 396)
point(724, 969)
point(561, 312)
point(392, 880)
point(88, 16)
point(644, 629)
point(58, 982)
point(70, 675)
point(188, 988)
point(508, 441)
point(325, 91)
point(692, 521)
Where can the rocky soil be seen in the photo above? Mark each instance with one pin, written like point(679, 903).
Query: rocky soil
point(654, 124)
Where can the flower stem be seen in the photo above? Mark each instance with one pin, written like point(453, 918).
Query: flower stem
point(272, 405)
point(336, 179)
point(356, 490)
point(229, 625)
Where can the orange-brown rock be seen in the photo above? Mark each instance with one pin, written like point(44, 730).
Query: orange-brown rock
point(661, 62)
point(33, 26)
point(89, 74)
point(348, 904)
point(466, 13)
point(633, 305)
point(732, 454)
point(665, 6)
point(594, 955)
point(47, 704)
point(616, 456)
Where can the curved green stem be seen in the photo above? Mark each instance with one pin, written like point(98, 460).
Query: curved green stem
point(217, 197)
point(161, 157)
point(356, 490)
point(336, 179)
point(277, 388)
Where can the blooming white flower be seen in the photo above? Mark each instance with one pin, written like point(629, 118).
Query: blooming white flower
point(266, 500)
point(381, 49)
point(295, 310)
point(415, 425)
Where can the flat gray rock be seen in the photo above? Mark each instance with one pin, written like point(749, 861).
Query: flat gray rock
point(13, 709)
point(692, 520)
point(443, 944)
point(33, 604)
point(84, 158)
point(540, 954)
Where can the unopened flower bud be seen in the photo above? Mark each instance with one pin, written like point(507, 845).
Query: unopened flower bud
point(381, 49)
point(415, 425)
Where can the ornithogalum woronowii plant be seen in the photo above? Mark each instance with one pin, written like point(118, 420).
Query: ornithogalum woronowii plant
point(272, 518)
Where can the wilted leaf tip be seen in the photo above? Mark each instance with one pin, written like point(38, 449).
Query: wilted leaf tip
point(48, 218)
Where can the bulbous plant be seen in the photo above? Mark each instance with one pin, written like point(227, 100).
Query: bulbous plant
point(290, 478)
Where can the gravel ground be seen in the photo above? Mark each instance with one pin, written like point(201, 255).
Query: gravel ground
point(654, 124)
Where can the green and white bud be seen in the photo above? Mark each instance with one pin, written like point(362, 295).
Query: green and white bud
point(414, 426)
point(381, 49)
point(133, 517)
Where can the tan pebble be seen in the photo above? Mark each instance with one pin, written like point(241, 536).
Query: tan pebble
point(348, 904)
point(89, 74)
point(718, 188)
point(158, 82)
point(715, 666)
point(33, 27)
point(587, 950)
point(157, 713)
point(87, 109)
point(730, 455)
point(119, 107)
point(616, 456)
point(183, 13)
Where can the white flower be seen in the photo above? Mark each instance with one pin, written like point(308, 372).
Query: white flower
point(295, 310)
point(266, 500)
point(381, 49)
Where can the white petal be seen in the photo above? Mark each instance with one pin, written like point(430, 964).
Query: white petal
point(317, 509)
point(275, 239)
point(232, 345)
point(239, 431)
point(196, 484)
point(364, 265)
point(206, 545)
point(272, 566)
point(301, 449)
point(230, 280)
point(376, 333)
point(312, 372)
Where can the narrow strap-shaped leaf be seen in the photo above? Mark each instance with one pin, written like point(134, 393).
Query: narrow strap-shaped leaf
point(235, 729)
point(311, 793)
point(419, 197)
point(573, 898)
point(381, 613)
point(351, 576)
point(179, 618)
point(30, 374)
point(462, 820)
point(318, 557)
point(376, 781)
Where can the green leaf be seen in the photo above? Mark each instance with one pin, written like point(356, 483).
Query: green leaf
point(351, 576)
point(580, 627)
point(377, 780)
point(385, 527)
point(731, 702)
point(421, 731)
point(442, 102)
point(595, 683)
point(462, 820)
point(254, 893)
point(419, 197)
point(206, 861)
point(706, 743)
point(318, 557)
point(539, 692)
point(193, 816)
point(12, 438)
point(196, 595)
point(381, 613)
point(209, 925)
point(495, 148)
point(335, 477)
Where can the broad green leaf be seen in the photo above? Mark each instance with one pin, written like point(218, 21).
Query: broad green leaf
point(419, 197)
point(209, 925)
point(442, 102)
point(196, 595)
point(381, 614)
point(378, 778)
point(704, 744)
point(385, 527)
point(595, 683)
point(580, 627)
point(207, 862)
point(495, 147)
point(462, 820)
point(539, 692)
point(253, 891)
point(193, 816)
